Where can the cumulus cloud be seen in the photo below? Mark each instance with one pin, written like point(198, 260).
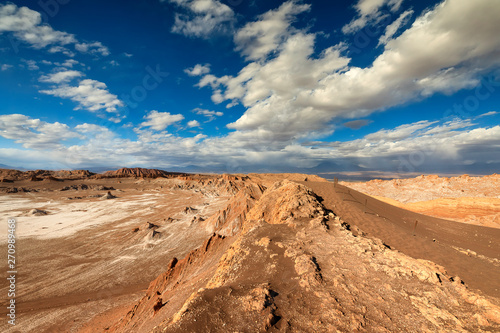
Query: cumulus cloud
point(34, 133)
point(423, 146)
point(91, 95)
point(198, 70)
point(438, 145)
point(193, 123)
point(159, 121)
point(370, 12)
point(257, 39)
point(202, 18)
point(296, 95)
point(27, 26)
point(62, 76)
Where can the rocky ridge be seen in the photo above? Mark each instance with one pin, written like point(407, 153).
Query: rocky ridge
point(8, 175)
point(138, 172)
point(474, 200)
point(288, 264)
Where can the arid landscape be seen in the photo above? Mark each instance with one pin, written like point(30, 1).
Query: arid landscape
point(473, 200)
point(206, 166)
point(139, 250)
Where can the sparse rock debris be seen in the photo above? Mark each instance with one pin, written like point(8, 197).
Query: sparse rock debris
point(108, 196)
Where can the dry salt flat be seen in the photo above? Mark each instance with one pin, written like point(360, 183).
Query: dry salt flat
point(64, 217)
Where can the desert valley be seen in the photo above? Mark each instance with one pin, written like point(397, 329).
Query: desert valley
point(232, 166)
point(141, 250)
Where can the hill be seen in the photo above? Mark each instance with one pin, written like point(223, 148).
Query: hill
point(474, 200)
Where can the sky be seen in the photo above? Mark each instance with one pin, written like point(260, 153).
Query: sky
point(367, 88)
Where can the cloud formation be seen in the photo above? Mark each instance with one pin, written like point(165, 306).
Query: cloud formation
point(62, 76)
point(357, 124)
point(370, 13)
point(26, 25)
point(294, 95)
point(159, 121)
point(34, 133)
point(202, 18)
point(90, 94)
point(198, 70)
point(424, 146)
point(392, 28)
point(209, 114)
point(258, 39)
point(193, 123)
point(5, 67)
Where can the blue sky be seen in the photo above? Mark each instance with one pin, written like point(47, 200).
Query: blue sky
point(373, 87)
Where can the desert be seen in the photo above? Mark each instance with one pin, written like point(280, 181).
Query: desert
point(232, 166)
point(136, 250)
point(474, 200)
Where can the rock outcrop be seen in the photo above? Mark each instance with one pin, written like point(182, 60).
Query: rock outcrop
point(38, 175)
point(139, 173)
point(474, 200)
point(288, 264)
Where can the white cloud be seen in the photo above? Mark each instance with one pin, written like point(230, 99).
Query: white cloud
point(158, 121)
point(209, 114)
point(370, 12)
point(69, 63)
point(26, 25)
point(5, 67)
point(63, 76)
point(198, 70)
point(392, 28)
point(115, 120)
point(487, 114)
point(257, 39)
point(294, 95)
point(203, 18)
point(91, 95)
point(92, 48)
point(95, 132)
point(439, 145)
point(32, 65)
point(193, 123)
point(61, 49)
point(34, 133)
point(420, 146)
